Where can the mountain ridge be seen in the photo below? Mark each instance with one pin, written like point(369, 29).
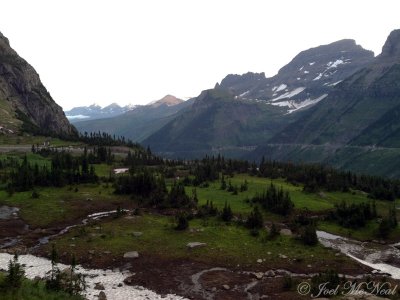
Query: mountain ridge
point(26, 105)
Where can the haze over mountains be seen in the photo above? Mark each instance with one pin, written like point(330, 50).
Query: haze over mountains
point(95, 111)
point(139, 122)
point(335, 104)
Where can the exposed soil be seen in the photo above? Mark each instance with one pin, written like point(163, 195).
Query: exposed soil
point(188, 278)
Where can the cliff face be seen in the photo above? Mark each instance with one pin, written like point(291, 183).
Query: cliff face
point(25, 104)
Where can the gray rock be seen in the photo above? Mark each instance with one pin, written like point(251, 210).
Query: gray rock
point(102, 296)
point(22, 88)
point(132, 254)
point(286, 232)
point(226, 287)
point(195, 245)
point(270, 273)
point(99, 286)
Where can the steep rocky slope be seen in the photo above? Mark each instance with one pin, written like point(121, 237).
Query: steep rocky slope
point(245, 111)
point(25, 104)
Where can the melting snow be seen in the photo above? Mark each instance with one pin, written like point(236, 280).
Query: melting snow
point(281, 87)
point(306, 72)
point(289, 94)
point(294, 106)
point(37, 266)
point(244, 94)
point(311, 63)
point(121, 170)
point(318, 77)
point(334, 64)
point(301, 68)
point(298, 78)
point(306, 103)
point(335, 83)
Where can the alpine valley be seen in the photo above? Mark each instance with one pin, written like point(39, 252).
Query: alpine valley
point(259, 188)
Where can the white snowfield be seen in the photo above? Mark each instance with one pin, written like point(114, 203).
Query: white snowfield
point(37, 266)
point(289, 94)
point(121, 170)
point(77, 117)
point(294, 106)
point(281, 87)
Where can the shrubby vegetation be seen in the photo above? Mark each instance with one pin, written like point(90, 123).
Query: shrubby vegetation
point(318, 177)
point(275, 200)
point(354, 215)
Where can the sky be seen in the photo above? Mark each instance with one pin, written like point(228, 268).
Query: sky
point(137, 51)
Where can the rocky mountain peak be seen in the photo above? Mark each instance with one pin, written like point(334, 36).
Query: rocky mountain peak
point(4, 39)
point(28, 102)
point(168, 100)
point(391, 48)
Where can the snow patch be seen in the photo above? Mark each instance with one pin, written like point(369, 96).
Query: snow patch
point(244, 94)
point(306, 72)
point(335, 64)
point(294, 106)
point(37, 266)
point(311, 63)
point(77, 117)
point(318, 77)
point(289, 94)
point(306, 103)
point(281, 87)
point(335, 83)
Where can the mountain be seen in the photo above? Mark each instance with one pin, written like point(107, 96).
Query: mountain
point(357, 126)
point(217, 122)
point(245, 111)
point(167, 100)
point(306, 80)
point(139, 123)
point(95, 111)
point(25, 104)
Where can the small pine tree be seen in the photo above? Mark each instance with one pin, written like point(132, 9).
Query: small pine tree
point(255, 219)
point(15, 273)
point(274, 232)
point(227, 213)
point(309, 235)
point(223, 182)
point(182, 222)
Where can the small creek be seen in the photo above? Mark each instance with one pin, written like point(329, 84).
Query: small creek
point(383, 258)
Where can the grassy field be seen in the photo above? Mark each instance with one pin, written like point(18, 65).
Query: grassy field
point(62, 204)
point(301, 200)
point(34, 140)
point(226, 244)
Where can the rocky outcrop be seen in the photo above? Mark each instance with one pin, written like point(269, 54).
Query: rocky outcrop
point(26, 97)
point(392, 45)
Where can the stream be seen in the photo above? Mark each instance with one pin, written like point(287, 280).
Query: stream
point(112, 281)
point(384, 259)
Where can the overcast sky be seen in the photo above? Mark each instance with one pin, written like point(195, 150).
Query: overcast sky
point(138, 51)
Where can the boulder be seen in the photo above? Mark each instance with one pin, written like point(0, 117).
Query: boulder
point(102, 296)
point(286, 232)
point(132, 254)
point(99, 286)
point(195, 245)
